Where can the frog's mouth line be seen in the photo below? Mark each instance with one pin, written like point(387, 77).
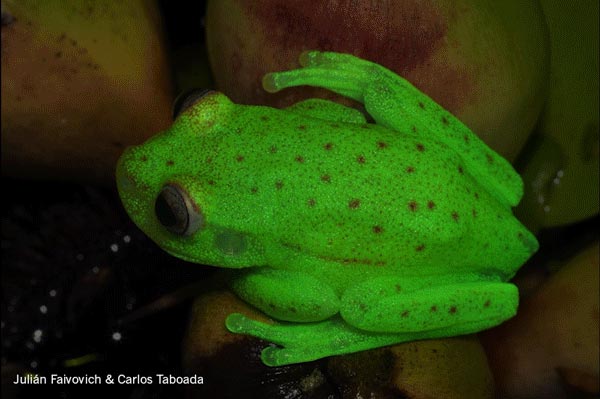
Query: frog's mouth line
point(178, 255)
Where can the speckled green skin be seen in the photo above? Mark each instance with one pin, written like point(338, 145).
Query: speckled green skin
point(356, 234)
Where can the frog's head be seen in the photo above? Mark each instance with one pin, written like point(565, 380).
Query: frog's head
point(159, 185)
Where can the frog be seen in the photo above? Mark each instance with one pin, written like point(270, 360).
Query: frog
point(350, 229)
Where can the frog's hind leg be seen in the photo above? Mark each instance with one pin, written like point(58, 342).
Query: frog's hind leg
point(395, 103)
point(453, 306)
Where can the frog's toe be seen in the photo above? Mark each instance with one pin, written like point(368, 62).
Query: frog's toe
point(240, 324)
point(313, 58)
point(311, 76)
point(309, 58)
point(236, 322)
point(274, 356)
point(270, 82)
point(336, 60)
point(275, 81)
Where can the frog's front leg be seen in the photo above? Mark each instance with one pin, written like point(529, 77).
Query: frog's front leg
point(304, 342)
point(286, 295)
point(441, 306)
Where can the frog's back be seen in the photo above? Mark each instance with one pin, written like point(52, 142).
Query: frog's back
point(363, 194)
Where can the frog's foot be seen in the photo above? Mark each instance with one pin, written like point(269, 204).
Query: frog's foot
point(341, 73)
point(308, 341)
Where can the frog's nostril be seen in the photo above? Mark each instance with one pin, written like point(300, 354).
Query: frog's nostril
point(125, 183)
point(529, 241)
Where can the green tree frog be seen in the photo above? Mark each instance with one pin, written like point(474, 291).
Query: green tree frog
point(352, 234)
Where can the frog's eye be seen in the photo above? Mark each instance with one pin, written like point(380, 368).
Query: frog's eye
point(187, 99)
point(176, 211)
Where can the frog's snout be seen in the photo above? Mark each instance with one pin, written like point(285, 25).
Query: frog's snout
point(128, 187)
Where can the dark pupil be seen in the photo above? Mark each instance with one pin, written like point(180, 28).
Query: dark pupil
point(170, 211)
